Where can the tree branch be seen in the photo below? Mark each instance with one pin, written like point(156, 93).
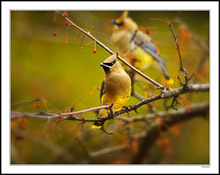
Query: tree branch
point(180, 112)
point(46, 115)
point(71, 115)
point(167, 94)
point(183, 90)
point(168, 119)
point(148, 137)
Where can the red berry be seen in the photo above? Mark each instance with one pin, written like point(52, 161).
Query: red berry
point(188, 110)
point(167, 88)
point(54, 33)
point(65, 14)
point(158, 52)
point(61, 119)
point(148, 32)
point(19, 137)
point(165, 142)
point(22, 126)
point(37, 106)
point(94, 51)
point(150, 105)
point(67, 23)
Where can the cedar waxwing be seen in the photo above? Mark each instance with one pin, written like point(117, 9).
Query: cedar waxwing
point(115, 89)
point(126, 37)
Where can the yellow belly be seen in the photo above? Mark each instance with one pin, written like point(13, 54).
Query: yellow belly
point(117, 104)
point(117, 91)
point(143, 59)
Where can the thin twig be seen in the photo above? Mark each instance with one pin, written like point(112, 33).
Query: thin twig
point(107, 151)
point(178, 49)
point(85, 111)
point(84, 146)
point(194, 35)
point(28, 101)
point(110, 51)
point(137, 95)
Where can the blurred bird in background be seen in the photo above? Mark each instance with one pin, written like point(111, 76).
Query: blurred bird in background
point(115, 89)
point(128, 38)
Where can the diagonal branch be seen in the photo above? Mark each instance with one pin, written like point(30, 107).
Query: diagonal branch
point(110, 51)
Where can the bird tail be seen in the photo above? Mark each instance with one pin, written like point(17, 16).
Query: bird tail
point(158, 59)
point(99, 124)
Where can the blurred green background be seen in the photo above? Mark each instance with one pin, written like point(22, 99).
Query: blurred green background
point(64, 73)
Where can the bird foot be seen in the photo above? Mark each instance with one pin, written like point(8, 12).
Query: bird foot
point(128, 108)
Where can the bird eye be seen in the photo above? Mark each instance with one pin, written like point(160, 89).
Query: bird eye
point(117, 24)
point(120, 24)
point(110, 64)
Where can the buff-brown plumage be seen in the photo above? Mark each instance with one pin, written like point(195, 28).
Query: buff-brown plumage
point(127, 36)
point(116, 86)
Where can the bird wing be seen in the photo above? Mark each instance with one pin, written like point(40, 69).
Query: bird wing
point(102, 91)
point(157, 58)
point(150, 46)
point(144, 41)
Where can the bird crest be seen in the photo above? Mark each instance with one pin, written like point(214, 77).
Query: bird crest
point(122, 17)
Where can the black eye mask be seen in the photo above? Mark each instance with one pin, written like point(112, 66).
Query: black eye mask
point(117, 24)
point(110, 64)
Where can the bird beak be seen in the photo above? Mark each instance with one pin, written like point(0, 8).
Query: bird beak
point(113, 22)
point(104, 65)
